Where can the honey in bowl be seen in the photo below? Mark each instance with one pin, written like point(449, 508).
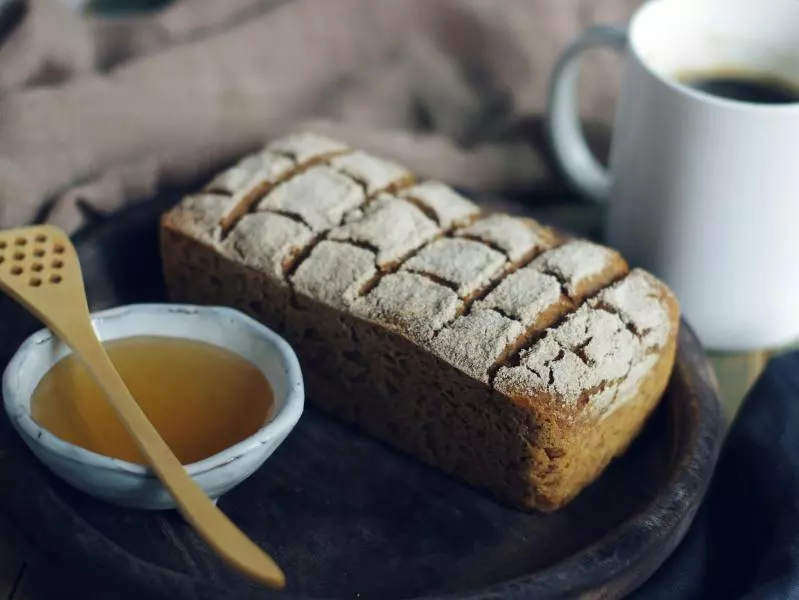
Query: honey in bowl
point(202, 399)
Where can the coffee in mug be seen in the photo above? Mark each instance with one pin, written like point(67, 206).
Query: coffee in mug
point(758, 88)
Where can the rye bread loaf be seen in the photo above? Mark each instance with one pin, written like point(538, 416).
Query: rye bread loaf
point(517, 360)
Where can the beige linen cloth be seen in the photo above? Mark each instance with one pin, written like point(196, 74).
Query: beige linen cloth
point(97, 113)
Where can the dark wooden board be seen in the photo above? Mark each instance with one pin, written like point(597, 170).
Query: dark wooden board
point(348, 517)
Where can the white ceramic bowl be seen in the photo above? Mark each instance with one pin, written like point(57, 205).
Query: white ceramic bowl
point(132, 485)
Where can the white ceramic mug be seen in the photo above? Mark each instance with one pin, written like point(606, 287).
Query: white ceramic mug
point(703, 191)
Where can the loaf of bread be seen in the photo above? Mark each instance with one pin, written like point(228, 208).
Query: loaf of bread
point(513, 358)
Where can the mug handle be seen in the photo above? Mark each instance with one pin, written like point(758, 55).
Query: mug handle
point(571, 152)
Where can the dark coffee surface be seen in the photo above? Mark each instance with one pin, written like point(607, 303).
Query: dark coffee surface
point(745, 87)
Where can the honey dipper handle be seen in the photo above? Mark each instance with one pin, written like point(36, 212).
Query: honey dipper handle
point(213, 526)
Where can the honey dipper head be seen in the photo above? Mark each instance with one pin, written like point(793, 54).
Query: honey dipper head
point(33, 256)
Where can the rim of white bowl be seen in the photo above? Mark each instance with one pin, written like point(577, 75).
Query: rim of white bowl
point(283, 420)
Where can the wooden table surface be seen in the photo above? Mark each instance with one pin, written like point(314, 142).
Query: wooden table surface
point(18, 579)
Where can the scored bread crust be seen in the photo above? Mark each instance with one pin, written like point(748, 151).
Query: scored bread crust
point(511, 357)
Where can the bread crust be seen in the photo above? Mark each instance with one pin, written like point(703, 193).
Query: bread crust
point(511, 358)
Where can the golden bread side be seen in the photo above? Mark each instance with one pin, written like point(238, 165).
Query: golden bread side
point(512, 358)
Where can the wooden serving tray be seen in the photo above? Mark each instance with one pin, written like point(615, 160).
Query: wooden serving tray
point(348, 517)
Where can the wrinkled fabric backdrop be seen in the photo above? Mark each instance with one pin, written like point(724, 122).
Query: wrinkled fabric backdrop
point(98, 112)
